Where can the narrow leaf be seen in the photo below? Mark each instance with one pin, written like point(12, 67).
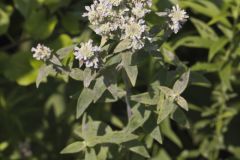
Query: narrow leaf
point(43, 73)
point(73, 148)
point(181, 84)
point(136, 147)
point(182, 102)
point(122, 46)
point(84, 100)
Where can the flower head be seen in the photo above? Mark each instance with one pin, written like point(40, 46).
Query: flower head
point(41, 52)
point(134, 30)
point(177, 18)
point(139, 11)
point(88, 54)
point(119, 19)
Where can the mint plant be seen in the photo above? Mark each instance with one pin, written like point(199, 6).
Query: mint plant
point(109, 72)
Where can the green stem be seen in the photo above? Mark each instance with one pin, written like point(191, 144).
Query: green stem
point(128, 94)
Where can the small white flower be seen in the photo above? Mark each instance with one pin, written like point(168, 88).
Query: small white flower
point(88, 54)
point(97, 12)
point(147, 3)
point(139, 11)
point(177, 17)
point(41, 52)
point(135, 30)
point(114, 2)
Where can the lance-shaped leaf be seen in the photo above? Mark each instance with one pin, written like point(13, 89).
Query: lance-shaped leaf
point(181, 84)
point(216, 47)
point(44, 71)
point(103, 153)
point(182, 102)
point(122, 46)
point(76, 74)
point(180, 118)
point(166, 107)
point(116, 137)
point(139, 116)
point(169, 133)
point(84, 100)
point(132, 72)
point(99, 88)
point(156, 134)
point(88, 76)
point(64, 52)
point(74, 148)
point(145, 98)
point(152, 128)
point(137, 147)
point(92, 129)
point(90, 154)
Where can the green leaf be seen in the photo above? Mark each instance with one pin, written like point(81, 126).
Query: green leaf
point(204, 30)
point(225, 76)
point(226, 31)
point(116, 137)
point(216, 47)
point(99, 88)
point(206, 67)
point(39, 25)
point(181, 84)
point(204, 7)
point(76, 74)
point(145, 98)
point(88, 76)
point(166, 107)
point(44, 71)
point(64, 52)
point(193, 41)
point(74, 148)
point(182, 102)
point(84, 100)
point(180, 117)
point(132, 72)
point(113, 59)
point(103, 153)
point(169, 133)
point(122, 46)
point(199, 80)
point(90, 154)
point(162, 154)
point(25, 6)
point(4, 19)
point(139, 116)
point(156, 134)
point(70, 22)
point(3, 146)
point(136, 147)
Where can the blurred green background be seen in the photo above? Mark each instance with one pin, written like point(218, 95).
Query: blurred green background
point(38, 123)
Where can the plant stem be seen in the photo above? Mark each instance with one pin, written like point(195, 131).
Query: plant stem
point(128, 94)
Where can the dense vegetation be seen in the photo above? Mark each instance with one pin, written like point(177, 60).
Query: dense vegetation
point(204, 56)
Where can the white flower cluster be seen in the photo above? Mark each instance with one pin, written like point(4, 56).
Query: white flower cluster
point(177, 18)
point(41, 52)
point(120, 18)
point(88, 54)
